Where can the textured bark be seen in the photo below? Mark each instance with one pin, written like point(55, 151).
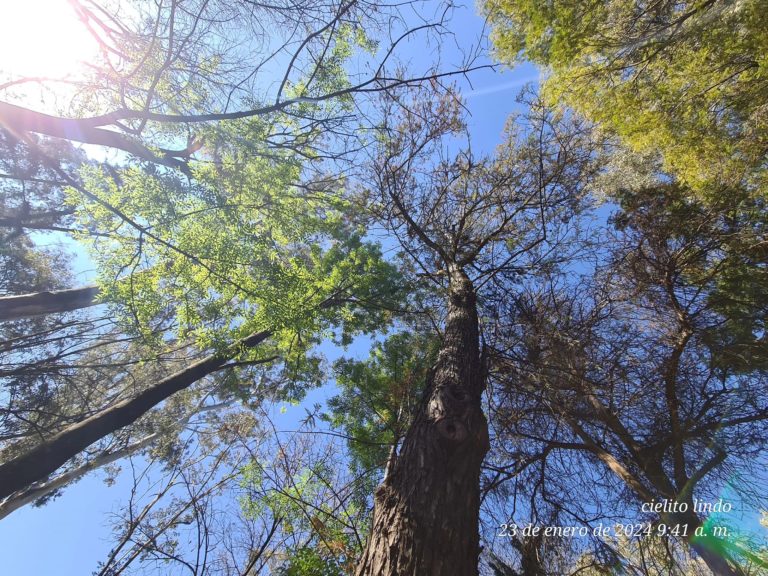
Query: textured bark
point(36, 464)
point(40, 303)
point(426, 512)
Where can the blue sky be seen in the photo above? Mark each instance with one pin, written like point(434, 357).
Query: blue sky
point(70, 535)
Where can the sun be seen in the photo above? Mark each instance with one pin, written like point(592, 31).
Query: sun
point(42, 39)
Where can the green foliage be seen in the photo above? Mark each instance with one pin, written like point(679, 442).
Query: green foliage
point(32, 202)
point(378, 395)
point(243, 246)
point(25, 267)
point(307, 561)
point(307, 511)
point(686, 78)
point(330, 75)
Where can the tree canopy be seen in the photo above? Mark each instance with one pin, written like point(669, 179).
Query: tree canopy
point(684, 79)
point(261, 270)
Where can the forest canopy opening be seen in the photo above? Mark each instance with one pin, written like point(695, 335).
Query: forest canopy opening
point(319, 292)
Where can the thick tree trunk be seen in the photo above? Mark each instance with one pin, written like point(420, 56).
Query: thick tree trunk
point(426, 511)
point(41, 303)
point(45, 458)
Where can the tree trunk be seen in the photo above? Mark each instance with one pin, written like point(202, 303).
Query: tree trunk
point(426, 512)
point(40, 303)
point(711, 549)
point(85, 130)
point(41, 489)
point(45, 458)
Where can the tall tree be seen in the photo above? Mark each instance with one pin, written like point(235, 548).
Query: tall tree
point(171, 72)
point(238, 311)
point(464, 222)
point(189, 257)
point(208, 239)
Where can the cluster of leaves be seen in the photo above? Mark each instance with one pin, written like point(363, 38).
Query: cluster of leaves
point(318, 520)
point(243, 247)
point(645, 381)
point(377, 397)
point(631, 382)
point(686, 79)
point(648, 375)
point(716, 251)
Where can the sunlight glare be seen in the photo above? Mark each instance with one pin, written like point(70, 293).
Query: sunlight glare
point(42, 38)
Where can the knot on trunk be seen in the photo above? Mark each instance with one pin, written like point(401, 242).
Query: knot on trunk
point(385, 495)
point(462, 296)
point(451, 429)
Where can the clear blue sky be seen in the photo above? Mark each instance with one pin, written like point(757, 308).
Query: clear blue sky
point(70, 535)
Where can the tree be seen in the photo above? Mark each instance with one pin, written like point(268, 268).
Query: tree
point(684, 78)
point(335, 272)
point(243, 497)
point(182, 515)
point(170, 70)
point(632, 373)
point(463, 222)
point(228, 247)
point(271, 272)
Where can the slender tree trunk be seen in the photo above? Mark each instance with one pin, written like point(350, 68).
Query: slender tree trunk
point(41, 489)
point(426, 511)
point(41, 303)
point(36, 464)
point(85, 130)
